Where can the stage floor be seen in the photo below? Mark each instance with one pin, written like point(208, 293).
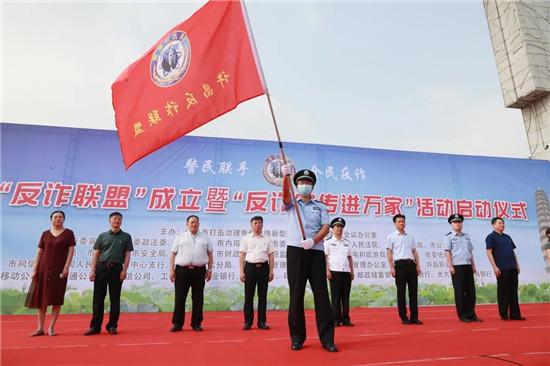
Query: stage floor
point(378, 338)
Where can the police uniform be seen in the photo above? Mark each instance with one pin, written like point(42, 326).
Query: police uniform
point(308, 265)
point(459, 247)
point(338, 254)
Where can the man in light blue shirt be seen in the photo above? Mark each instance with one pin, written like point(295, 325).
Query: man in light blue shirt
point(460, 259)
point(405, 268)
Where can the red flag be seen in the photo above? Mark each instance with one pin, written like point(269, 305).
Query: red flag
point(201, 69)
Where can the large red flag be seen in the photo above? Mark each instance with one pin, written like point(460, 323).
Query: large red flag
point(201, 69)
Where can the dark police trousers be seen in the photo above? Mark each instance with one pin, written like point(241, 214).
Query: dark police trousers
point(194, 278)
point(464, 290)
point(340, 288)
point(304, 265)
point(406, 275)
point(106, 275)
point(256, 274)
point(507, 294)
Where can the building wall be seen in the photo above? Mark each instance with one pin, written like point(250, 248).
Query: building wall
point(520, 34)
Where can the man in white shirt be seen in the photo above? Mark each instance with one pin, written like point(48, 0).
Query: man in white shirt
point(405, 267)
point(191, 262)
point(256, 261)
point(339, 272)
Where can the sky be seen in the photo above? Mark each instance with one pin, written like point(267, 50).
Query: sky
point(413, 76)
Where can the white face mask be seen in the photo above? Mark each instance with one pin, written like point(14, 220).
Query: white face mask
point(304, 189)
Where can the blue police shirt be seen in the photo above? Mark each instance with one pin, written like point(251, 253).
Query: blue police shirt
point(503, 250)
point(314, 214)
point(460, 247)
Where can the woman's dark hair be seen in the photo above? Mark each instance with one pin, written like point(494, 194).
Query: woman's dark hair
point(61, 212)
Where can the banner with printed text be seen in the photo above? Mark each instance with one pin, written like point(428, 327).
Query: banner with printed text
point(227, 181)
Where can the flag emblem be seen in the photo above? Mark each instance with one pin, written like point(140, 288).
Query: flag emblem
point(272, 169)
point(171, 59)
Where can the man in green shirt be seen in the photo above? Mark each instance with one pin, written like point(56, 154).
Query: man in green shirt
point(109, 265)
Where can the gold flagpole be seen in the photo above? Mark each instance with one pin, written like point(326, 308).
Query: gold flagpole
point(260, 71)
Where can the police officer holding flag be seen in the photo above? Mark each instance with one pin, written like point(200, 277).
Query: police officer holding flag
point(306, 258)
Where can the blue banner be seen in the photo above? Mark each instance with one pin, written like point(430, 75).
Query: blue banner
point(227, 181)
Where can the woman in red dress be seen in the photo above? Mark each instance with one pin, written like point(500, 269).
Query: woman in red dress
point(50, 272)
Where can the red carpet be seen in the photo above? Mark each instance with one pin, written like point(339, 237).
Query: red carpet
point(378, 338)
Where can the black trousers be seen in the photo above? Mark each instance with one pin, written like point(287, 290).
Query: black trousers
point(465, 291)
point(106, 277)
point(302, 266)
point(406, 275)
point(507, 294)
point(340, 288)
point(256, 275)
point(194, 279)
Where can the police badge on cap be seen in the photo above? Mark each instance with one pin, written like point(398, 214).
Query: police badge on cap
point(338, 221)
point(455, 218)
point(305, 174)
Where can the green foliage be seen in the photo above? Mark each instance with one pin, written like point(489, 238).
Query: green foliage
point(156, 298)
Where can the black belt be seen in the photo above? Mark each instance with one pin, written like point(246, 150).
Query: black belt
point(190, 267)
point(404, 261)
point(257, 265)
point(109, 264)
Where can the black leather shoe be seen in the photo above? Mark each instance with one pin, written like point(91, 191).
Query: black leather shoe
point(263, 326)
point(476, 319)
point(197, 328)
point(176, 328)
point(347, 324)
point(336, 323)
point(504, 318)
point(406, 322)
point(520, 318)
point(92, 331)
point(112, 330)
point(247, 326)
point(464, 320)
point(296, 346)
point(416, 321)
point(331, 347)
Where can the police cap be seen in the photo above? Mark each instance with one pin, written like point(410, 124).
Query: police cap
point(338, 221)
point(305, 174)
point(455, 218)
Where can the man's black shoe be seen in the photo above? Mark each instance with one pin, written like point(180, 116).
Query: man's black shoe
point(406, 322)
point(112, 330)
point(464, 320)
point(247, 326)
point(331, 347)
point(263, 326)
point(176, 328)
point(296, 346)
point(197, 328)
point(336, 323)
point(504, 318)
point(416, 321)
point(520, 318)
point(92, 331)
point(347, 324)
point(476, 319)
